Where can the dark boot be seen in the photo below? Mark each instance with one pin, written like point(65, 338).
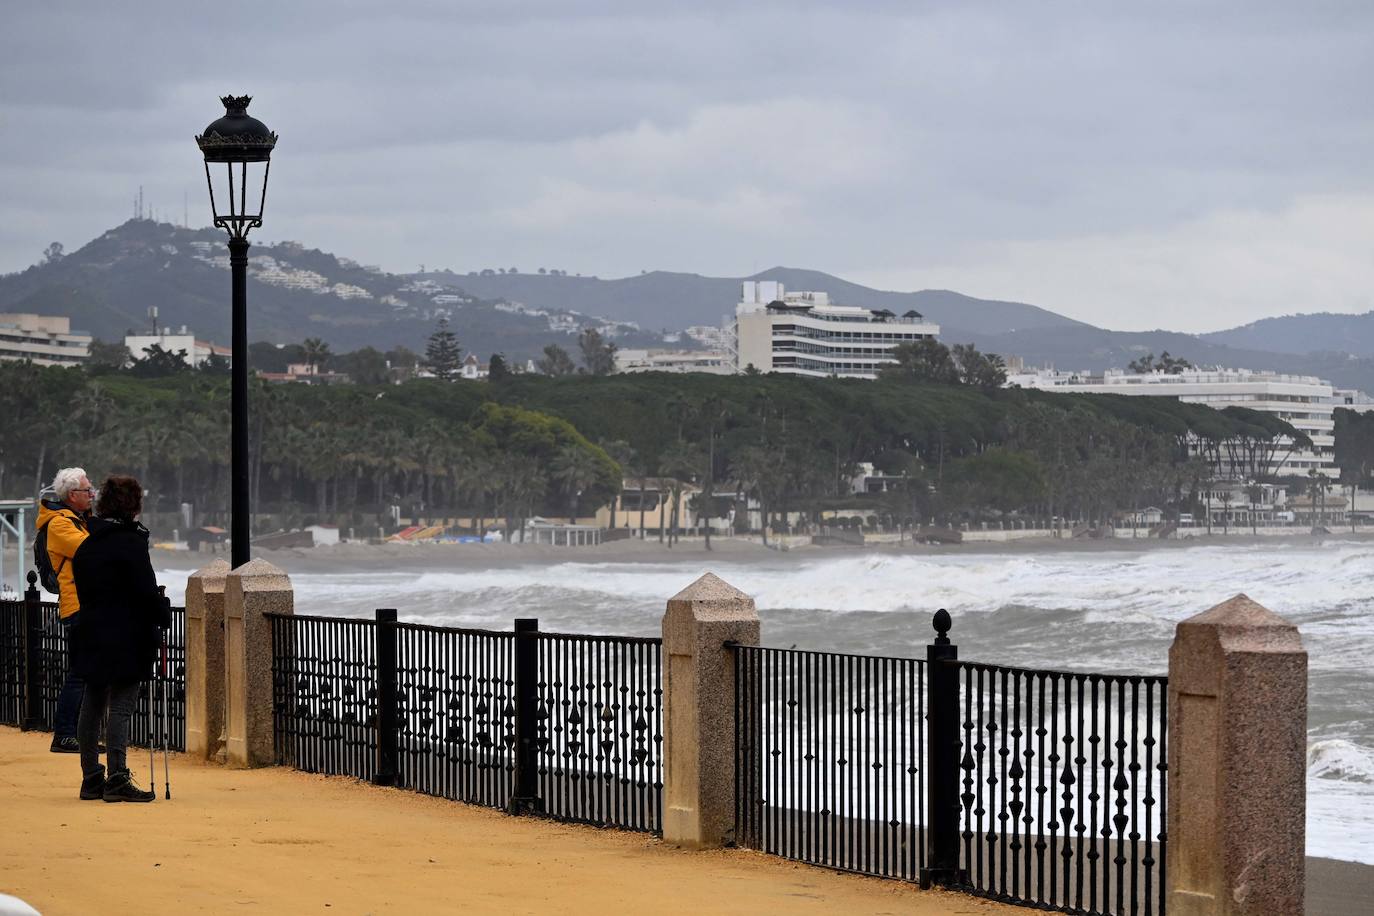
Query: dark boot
point(68, 745)
point(93, 786)
point(120, 787)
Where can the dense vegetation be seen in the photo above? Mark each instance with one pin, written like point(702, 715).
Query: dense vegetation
point(557, 446)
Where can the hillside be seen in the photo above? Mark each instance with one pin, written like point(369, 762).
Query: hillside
point(1303, 334)
point(294, 292)
point(661, 299)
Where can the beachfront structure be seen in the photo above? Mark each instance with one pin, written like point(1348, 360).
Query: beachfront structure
point(715, 362)
point(47, 340)
point(803, 333)
point(1305, 401)
point(196, 351)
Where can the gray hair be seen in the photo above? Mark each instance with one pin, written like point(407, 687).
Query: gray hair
point(67, 479)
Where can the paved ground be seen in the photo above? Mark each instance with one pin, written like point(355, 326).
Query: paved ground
point(278, 841)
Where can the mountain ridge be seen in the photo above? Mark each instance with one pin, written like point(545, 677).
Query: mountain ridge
point(297, 292)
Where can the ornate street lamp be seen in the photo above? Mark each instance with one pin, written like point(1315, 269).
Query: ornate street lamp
point(237, 151)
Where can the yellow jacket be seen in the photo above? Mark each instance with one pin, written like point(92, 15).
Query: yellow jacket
point(65, 534)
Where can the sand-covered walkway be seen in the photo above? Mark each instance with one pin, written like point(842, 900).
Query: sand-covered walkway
point(278, 841)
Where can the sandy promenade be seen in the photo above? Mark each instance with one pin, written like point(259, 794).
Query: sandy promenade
point(278, 841)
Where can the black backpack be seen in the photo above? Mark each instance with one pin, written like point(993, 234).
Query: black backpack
point(43, 563)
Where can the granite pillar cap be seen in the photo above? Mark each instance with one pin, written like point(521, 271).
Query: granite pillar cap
point(212, 573)
point(711, 597)
point(257, 575)
point(1242, 624)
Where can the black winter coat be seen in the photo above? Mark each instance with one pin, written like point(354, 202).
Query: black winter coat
point(118, 633)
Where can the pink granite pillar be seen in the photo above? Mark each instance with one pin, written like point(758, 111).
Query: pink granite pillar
point(1237, 763)
point(699, 709)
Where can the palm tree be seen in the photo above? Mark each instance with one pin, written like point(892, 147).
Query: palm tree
point(574, 469)
point(622, 454)
point(316, 353)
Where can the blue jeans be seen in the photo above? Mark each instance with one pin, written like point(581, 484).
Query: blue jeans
point(73, 689)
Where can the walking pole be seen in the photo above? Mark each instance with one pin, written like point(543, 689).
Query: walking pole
point(152, 770)
point(166, 773)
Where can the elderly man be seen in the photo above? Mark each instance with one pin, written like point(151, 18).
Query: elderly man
point(64, 509)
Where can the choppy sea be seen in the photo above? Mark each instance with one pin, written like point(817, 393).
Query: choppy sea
point(1111, 611)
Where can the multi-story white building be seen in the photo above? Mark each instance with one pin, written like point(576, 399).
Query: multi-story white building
point(802, 333)
point(47, 340)
point(1305, 401)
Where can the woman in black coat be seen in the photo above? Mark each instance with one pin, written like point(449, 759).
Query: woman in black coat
point(122, 616)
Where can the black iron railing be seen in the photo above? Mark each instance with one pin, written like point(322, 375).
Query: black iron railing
point(1063, 782)
point(455, 713)
point(43, 656)
point(324, 694)
point(830, 758)
point(563, 725)
point(1038, 788)
point(599, 735)
point(12, 666)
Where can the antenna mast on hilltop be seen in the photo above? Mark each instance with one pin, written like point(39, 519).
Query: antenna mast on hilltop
point(138, 206)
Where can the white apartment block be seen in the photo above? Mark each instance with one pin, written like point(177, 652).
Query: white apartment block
point(47, 340)
point(802, 333)
point(1304, 401)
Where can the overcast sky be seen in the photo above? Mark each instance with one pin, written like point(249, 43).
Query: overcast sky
point(1192, 166)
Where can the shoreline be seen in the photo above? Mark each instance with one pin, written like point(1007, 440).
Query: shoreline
point(431, 556)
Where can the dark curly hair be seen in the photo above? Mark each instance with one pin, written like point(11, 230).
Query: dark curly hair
point(121, 498)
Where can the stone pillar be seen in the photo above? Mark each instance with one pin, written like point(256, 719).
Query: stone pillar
point(1237, 763)
point(254, 589)
point(699, 709)
point(205, 660)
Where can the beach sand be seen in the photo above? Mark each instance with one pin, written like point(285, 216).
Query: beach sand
point(279, 841)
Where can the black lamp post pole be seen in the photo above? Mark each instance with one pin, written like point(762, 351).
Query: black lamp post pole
point(239, 529)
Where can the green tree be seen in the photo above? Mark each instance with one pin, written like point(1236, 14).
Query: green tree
point(598, 354)
point(158, 362)
point(107, 357)
point(214, 365)
point(979, 370)
point(497, 370)
point(555, 362)
point(316, 353)
point(443, 356)
point(925, 360)
point(366, 366)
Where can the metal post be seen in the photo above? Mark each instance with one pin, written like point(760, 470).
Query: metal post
point(388, 724)
point(525, 798)
point(31, 717)
point(942, 759)
point(239, 528)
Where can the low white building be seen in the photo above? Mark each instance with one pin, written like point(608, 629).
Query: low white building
point(802, 333)
point(47, 340)
point(1305, 401)
point(473, 369)
point(197, 351)
point(716, 362)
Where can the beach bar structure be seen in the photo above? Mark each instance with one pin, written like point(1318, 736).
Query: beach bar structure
point(13, 524)
point(557, 534)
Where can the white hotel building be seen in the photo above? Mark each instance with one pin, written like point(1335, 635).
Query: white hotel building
point(46, 340)
point(1304, 401)
point(801, 333)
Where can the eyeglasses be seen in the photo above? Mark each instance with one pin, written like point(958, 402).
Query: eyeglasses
point(84, 490)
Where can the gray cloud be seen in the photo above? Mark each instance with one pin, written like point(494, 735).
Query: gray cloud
point(1112, 163)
